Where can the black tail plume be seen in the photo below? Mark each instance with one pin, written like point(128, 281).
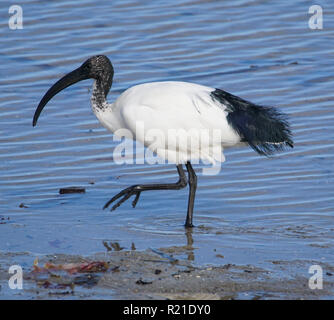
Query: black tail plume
point(265, 129)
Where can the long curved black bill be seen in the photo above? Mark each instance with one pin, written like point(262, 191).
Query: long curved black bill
point(66, 81)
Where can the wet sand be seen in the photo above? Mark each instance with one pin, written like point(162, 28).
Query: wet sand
point(157, 275)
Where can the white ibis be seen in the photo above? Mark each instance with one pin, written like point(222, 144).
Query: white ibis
point(167, 106)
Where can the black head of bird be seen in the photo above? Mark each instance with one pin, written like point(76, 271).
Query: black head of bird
point(97, 67)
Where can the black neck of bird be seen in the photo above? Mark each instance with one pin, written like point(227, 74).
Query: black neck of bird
point(101, 89)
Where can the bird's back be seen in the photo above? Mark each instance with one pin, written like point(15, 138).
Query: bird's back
point(163, 94)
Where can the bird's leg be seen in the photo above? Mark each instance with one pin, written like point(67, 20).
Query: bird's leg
point(137, 189)
point(192, 179)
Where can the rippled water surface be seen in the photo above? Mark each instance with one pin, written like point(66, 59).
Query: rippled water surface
point(255, 210)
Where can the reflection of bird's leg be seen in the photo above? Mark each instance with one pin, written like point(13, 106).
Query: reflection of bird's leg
point(190, 241)
point(137, 189)
point(192, 179)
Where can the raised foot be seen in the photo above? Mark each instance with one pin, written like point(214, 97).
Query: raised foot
point(126, 194)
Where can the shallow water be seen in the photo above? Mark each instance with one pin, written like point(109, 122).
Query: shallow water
point(256, 210)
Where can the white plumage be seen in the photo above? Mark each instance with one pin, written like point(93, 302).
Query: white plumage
point(170, 110)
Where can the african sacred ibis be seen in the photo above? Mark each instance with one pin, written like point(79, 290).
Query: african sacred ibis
point(177, 105)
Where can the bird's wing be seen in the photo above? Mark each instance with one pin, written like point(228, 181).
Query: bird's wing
point(169, 112)
point(176, 106)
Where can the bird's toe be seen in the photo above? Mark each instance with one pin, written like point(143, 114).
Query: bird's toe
point(125, 194)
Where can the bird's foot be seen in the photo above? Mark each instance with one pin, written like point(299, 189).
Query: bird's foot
point(126, 194)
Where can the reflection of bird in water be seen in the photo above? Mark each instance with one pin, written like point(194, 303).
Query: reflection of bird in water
point(190, 241)
point(177, 106)
point(187, 249)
